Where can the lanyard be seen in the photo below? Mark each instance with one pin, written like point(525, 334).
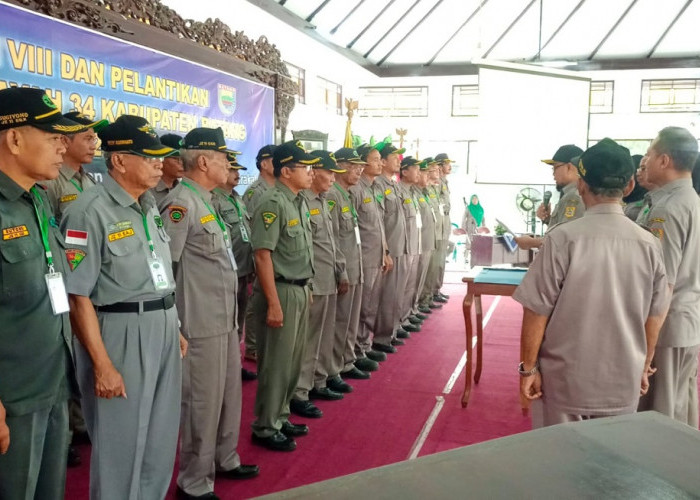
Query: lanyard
point(43, 221)
point(211, 211)
point(77, 186)
point(234, 202)
point(347, 198)
point(148, 236)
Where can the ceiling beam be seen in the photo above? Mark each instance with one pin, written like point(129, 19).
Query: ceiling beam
point(503, 35)
point(349, 46)
point(318, 9)
point(556, 32)
point(605, 38)
point(387, 32)
point(471, 16)
point(426, 16)
point(675, 19)
point(352, 11)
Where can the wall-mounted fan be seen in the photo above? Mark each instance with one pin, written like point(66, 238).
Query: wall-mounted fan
point(527, 200)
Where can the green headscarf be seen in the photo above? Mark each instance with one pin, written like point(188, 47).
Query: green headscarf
point(477, 210)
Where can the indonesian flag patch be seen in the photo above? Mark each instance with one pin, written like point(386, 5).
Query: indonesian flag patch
point(75, 237)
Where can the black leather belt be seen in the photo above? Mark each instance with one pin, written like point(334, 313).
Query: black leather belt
point(303, 282)
point(133, 307)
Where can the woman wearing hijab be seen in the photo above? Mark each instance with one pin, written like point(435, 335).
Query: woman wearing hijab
point(473, 216)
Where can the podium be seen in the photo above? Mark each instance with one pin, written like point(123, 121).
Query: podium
point(488, 250)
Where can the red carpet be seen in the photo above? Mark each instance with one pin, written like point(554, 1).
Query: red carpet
point(381, 420)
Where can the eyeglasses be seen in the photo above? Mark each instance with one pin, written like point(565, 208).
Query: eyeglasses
point(147, 159)
point(556, 166)
point(299, 165)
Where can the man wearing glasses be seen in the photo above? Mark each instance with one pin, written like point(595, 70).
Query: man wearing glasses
point(121, 293)
point(570, 205)
point(281, 239)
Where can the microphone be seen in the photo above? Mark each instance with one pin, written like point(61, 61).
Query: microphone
point(545, 199)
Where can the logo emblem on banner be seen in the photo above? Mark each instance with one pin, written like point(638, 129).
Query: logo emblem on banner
point(227, 99)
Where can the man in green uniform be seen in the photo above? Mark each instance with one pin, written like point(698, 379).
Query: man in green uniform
point(73, 179)
point(172, 168)
point(36, 370)
point(281, 239)
point(252, 195)
point(121, 295)
point(227, 202)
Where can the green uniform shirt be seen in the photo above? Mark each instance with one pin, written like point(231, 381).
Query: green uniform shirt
point(234, 213)
point(252, 195)
point(108, 251)
point(570, 206)
point(370, 220)
point(65, 189)
point(35, 345)
point(346, 234)
point(281, 224)
point(161, 191)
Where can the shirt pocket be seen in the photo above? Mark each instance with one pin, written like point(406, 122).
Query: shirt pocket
point(124, 259)
point(211, 238)
point(346, 222)
point(295, 237)
point(23, 267)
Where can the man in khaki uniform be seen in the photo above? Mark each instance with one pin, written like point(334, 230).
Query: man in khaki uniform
point(172, 168)
point(36, 369)
point(80, 150)
point(251, 197)
point(281, 239)
point(227, 202)
point(428, 236)
point(121, 296)
point(329, 280)
point(674, 218)
point(570, 205)
point(586, 349)
point(444, 168)
point(205, 273)
point(432, 279)
point(349, 251)
point(368, 200)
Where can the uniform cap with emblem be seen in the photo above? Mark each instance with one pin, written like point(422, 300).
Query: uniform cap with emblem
point(427, 163)
point(291, 152)
point(388, 149)
point(233, 162)
point(349, 155)
point(408, 162)
point(135, 135)
point(363, 150)
point(564, 154)
point(606, 165)
point(326, 161)
point(82, 119)
point(265, 152)
point(442, 158)
point(172, 141)
point(21, 107)
point(211, 139)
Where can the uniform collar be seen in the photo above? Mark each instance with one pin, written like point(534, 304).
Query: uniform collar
point(570, 188)
point(9, 188)
point(604, 208)
point(286, 191)
point(68, 173)
point(200, 190)
point(671, 187)
point(117, 192)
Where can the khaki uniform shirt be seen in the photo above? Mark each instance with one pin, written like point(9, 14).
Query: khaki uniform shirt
point(65, 189)
point(235, 215)
point(409, 202)
point(346, 233)
point(643, 215)
point(570, 206)
point(252, 195)
point(598, 279)
point(429, 218)
point(205, 276)
point(111, 264)
point(35, 345)
point(434, 200)
point(370, 220)
point(445, 204)
point(281, 224)
point(394, 217)
point(328, 272)
point(674, 218)
point(161, 191)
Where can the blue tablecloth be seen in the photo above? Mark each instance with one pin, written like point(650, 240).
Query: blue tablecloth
point(501, 276)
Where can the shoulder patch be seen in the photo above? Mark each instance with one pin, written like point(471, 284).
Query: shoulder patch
point(315, 211)
point(387, 191)
point(11, 233)
point(331, 204)
point(658, 232)
point(207, 218)
point(74, 257)
point(75, 237)
point(570, 212)
point(176, 213)
point(268, 219)
point(292, 222)
point(249, 193)
point(68, 198)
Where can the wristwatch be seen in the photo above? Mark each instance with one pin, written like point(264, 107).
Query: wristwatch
point(531, 371)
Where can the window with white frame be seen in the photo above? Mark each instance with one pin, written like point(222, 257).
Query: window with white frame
point(298, 75)
point(668, 96)
point(393, 101)
point(465, 100)
point(330, 95)
point(601, 97)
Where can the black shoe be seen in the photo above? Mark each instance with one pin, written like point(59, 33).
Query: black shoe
point(435, 305)
point(183, 495)
point(240, 472)
point(304, 409)
point(276, 442)
point(383, 348)
point(375, 355)
point(74, 459)
point(368, 365)
point(415, 320)
point(425, 310)
point(443, 295)
point(356, 373)
point(248, 375)
point(422, 317)
point(439, 298)
point(294, 430)
point(325, 393)
point(411, 328)
point(338, 385)
point(402, 334)
point(396, 342)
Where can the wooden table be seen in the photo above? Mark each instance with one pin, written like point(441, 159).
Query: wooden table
point(473, 296)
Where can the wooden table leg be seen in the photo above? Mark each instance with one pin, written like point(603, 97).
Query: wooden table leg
point(479, 337)
point(467, 312)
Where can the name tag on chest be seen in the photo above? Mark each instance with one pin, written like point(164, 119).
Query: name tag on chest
point(57, 293)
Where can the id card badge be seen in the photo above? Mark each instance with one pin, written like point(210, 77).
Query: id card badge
point(357, 235)
point(159, 274)
point(441, 206)
point(232, 258)
point(432, 211)
point(419, 220)
point(57, 293)
point(244, 234)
